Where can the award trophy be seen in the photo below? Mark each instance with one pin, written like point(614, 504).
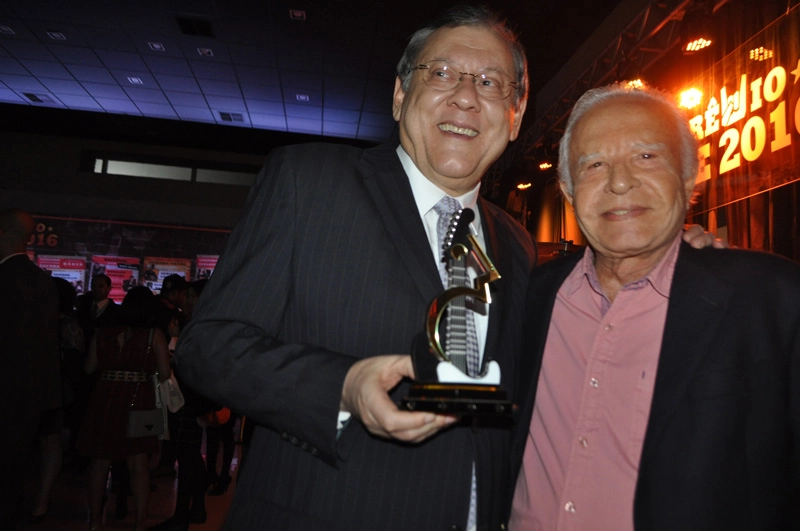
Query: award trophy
point(439, 352)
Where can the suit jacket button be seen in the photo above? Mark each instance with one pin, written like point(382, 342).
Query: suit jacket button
point(294, 440)
point(314, 451)
point(455, 527)
point(284, 435)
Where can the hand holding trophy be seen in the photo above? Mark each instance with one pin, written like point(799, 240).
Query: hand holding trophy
point(449, 375)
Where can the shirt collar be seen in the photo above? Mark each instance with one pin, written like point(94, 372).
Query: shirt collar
point(12, 256)
point(427, 194)
point(660, 277)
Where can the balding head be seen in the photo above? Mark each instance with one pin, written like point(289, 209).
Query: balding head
point(16, 227)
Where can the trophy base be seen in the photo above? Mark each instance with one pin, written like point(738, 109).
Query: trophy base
point(458, 399)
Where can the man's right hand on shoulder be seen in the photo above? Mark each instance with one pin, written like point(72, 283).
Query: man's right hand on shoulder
point(365, 394)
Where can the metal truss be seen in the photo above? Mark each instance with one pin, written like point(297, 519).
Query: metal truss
point(645, 40)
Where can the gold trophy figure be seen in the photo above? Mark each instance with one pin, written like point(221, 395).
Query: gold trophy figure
point(447, 379)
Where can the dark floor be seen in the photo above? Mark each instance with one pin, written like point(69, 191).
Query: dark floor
point(68, 509)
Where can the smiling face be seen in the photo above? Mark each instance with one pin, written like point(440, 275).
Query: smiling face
point(628, 194)
point(454, 136)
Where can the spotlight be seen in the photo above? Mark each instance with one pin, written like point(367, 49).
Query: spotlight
point(695, 28)
point(691, 98)
point(761, 54)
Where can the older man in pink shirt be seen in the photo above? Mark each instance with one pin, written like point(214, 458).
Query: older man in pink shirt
point(666, 377)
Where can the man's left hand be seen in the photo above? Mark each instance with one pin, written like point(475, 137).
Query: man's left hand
point(698, 237)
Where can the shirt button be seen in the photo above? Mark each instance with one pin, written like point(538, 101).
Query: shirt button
point(594, 383)
point(570, 507)
point(609, 327)
point(583, 442)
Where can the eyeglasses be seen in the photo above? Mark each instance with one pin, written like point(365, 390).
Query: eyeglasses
point(441, 76)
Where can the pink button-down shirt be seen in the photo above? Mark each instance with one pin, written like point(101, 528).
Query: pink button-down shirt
point(592, 403)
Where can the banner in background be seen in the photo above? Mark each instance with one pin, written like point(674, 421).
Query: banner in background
point(123, 271)
point(206, 263)
point(70, 268)
point(157, 269)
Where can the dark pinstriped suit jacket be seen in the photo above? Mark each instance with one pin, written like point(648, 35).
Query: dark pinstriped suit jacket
point(331, 264)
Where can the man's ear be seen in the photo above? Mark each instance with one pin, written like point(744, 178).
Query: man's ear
point(397, 101)
point(565, 191)
point(517, 121)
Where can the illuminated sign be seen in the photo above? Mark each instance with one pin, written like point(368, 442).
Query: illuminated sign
point(744, 111)
point(746, 140)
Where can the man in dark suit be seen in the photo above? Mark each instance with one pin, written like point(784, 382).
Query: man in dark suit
point(668, 377)
point(327, 279)
point(94, 309)
point(31, 370)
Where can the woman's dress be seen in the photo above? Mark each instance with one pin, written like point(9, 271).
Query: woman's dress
point(104, 430)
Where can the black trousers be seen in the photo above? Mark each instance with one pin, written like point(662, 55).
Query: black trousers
point(187, 436)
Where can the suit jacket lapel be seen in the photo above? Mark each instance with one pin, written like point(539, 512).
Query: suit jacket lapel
point(698, 299)
point(387, 184)
point(499, 251)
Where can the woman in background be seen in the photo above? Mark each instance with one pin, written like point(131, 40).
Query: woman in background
point(126, 356)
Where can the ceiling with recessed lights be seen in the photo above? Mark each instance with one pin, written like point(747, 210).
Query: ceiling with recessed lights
point(171, 71)
point(321, 68)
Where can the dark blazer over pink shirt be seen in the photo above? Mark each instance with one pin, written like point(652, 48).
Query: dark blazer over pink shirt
point(722, 446)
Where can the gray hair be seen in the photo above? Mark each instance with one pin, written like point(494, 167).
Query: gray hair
point(591, 99)
point(467, 16)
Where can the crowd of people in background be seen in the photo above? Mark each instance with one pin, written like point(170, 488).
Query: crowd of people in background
point(98, 356)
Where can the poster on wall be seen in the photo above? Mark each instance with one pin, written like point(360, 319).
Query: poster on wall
point(206, 263)
point(157, 269)
point(70, 268)
point(122, 270)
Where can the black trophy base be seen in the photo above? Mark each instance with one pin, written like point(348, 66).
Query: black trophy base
point(458, 399)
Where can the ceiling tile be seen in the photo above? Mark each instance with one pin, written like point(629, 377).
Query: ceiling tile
point(137, 79)
point(262, 92)
point(75, 55)
point(253, 56)
point(339, 129)
point(219, 88)
point(258, 75)
point(177, 83)
point(28, 50)
point(21, 82)
point(226, 104)
point(62, 86)
point(344, 100)
point(91, 74)
point(80, 103)
point(113, 59)
point(303, 111)
point(268, 121)
point(168, 65)
point(142, 95)
point(102, 90)
point(341, 115)
point(119, 106)
point(9, 65)
point(47, 69)
point(195, 114)
point(157, 109)
point(186, 99)
point(302, 125)
point(265, 107)
point(9, 96)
